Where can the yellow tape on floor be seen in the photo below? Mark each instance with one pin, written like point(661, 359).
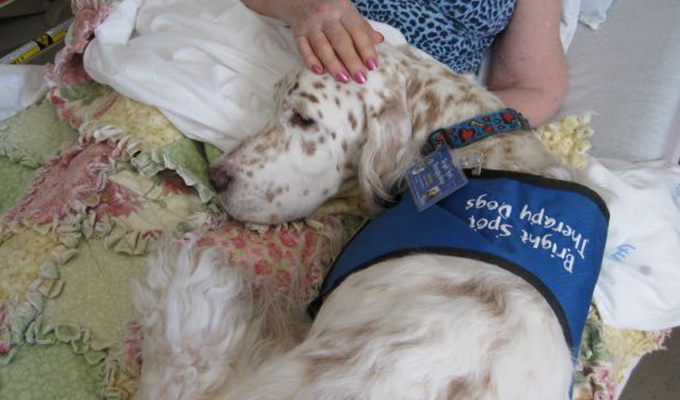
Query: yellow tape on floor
point(37, 45)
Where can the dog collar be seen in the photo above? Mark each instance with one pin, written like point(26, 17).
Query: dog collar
point(477, 128)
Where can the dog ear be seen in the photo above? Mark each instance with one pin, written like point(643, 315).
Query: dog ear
point(386, 154)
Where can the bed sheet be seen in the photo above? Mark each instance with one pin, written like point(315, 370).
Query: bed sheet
point(627, 73)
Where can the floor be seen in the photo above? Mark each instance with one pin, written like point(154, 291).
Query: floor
point(657, 376)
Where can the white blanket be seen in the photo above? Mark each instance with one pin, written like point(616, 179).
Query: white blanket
point(22, 85)
point(639, 286)
point(210, 67)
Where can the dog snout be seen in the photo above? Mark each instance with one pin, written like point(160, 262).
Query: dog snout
point(219, 178)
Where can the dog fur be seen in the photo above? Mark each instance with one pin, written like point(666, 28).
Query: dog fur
point(421, 327)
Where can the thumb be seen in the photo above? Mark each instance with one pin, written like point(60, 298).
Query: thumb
point(377, 37)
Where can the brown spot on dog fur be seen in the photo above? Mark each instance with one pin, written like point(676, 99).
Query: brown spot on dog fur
point(459, 388)
point(448, 101)
point(345, 146)
point(413, 88)
point(470, 97)
point(433, 106)
point(349, 166)
point(404, 345)
point(334, 135)
point(309, 147)
point(319, 363)
point(389, 104)
point(491, 296)
point(269, 196)
point(319, 85)
point(337, 101)
point(293, 88)
point(319, 114)
point(411, 54)
point(448, 74)
point(249, 174)
point(309, 97)
point(352, 119)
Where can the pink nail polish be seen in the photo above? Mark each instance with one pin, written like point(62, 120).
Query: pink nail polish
point(360, 77)
point(372, 63)
point(342, 77)
point(317, 69)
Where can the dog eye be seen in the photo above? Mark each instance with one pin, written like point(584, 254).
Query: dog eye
point(299, 120)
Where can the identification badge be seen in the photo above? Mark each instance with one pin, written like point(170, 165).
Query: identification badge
point(433, 178)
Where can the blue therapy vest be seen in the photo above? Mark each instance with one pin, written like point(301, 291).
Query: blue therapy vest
point(551, 233)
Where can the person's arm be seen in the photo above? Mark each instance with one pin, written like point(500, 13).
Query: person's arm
point(330, 34)
point(528, 67)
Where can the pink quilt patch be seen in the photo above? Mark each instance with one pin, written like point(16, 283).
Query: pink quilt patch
point(68, 68)
point(74, 179)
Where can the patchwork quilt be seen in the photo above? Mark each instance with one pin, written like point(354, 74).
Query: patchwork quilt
point(90, 179)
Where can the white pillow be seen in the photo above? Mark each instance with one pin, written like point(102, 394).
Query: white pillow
point(594, 12)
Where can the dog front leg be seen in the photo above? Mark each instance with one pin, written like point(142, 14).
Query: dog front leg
point(195, 313)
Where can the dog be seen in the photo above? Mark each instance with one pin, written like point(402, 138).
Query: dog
point(418, 326)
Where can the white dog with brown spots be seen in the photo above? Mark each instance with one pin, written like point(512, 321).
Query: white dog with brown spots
point(417, 327)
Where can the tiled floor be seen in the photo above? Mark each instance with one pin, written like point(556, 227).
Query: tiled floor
point(657, 377)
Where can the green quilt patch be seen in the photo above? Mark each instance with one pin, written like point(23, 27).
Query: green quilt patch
point(50, 372)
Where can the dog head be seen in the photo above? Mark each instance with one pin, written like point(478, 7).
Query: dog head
point(323, 133)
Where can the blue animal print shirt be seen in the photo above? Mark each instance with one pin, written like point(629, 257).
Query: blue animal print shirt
point(455, 32)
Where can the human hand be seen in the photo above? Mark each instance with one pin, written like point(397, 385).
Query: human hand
point(331, 35)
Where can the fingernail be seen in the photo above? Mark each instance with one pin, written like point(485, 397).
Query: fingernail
point(317, 69)
point(372, 63)
point(360, 77)
point(342, 77)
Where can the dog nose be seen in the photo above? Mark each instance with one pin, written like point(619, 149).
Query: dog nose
point(219, 178)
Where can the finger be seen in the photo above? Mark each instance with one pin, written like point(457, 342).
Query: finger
point(307, 53)
point(324, 51)
point(343, 45)
point(363, 44)
point(376, 36)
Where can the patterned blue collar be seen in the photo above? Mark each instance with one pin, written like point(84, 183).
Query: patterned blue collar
point(474, 129)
